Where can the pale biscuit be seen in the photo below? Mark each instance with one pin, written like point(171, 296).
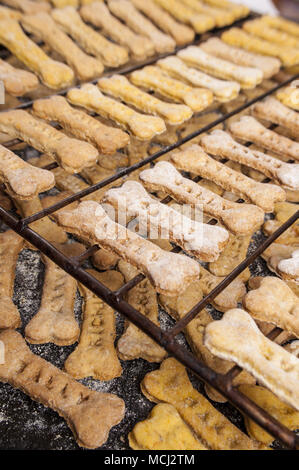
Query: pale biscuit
point(259, 28)
point(10, 246)
point(276, 253)
point(248, 77)
point(72, 154)
point(240, 219)
point(126, 11)
point(53, 74)
point(168, 272)
point(289, 237)
point(272, 366)
point(170, 384)
point(289, 96)
point(268, 65)
point(119, 86)
point(273, 110)
point(9, 13)
point(289, 268)
point(95, 355)
point(97, 13)
point(141, 126)
point(239, 11)
point(153, 78)
point(282, 24)
point(223, 90)
point(222, 17)
point(45, 28)
point(28, 6)
point(16, 82)
point(89, 414)
point(164, 429)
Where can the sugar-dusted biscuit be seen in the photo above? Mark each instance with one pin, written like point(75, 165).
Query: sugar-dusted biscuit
point(274, 254)
point(170, 384)
point(274, 111)
point(22, 180)
point(195, 160)
point(89, 414)
point(239, 219)
point(164, 429)
point(289, 95)
point(53, 74)
point(10, 247)
point(97, 13)
point(141, 126)
point(181, 33)
point(268, 65)
point(44, 27)
point(90, 40)
point(154, 78)
point(28, 6)
point(78, 123)
point(72, 154)
point(239, 10)
point(17, 82)
point(95, 355)
point(289, 267)
point(248, 77)
point(126, 11)
point(221, 144)
point(249, 129)
point(282, 24)
point(9, 13)
point(259, 28)
point(169, 272)
point(272, 366)
point(222, 89)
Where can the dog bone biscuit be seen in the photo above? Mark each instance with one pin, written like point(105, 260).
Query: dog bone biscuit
point(221, 144)
point(44, 27)
point(67, 182)
point(72, 154)
point(259, 28)
point(238, 218)
point(276, 253)
point(127, 12)
point(90, 40)
point(168, 272)
point(95, 355)
point(170, 384)
point(182, 34)
point(53, 74)
point(119, 86)
point(17, 82)
point(164, 429)
point(28, 6)
point(89, 414)
point(239, 11)
point(223, 90)
point(143, 127)
point(272, 366)
point(104, 260)
point(289, 268)
point(248, 77)
point(98, 14)
point(200, 240)
point(289, 96)
point(10, 247)
point(268, 65)
point(195, 160)
point(222, 17)
point(153, 78)
point(9, 13)
point(273, 110)
point(107, 139)
point(282, 24)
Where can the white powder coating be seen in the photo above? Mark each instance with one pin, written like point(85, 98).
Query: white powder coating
point(290, 266)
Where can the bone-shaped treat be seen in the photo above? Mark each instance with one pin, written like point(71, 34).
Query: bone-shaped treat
point(17, 82)
point(258, 28)
point(182, 34)
point(282, 24)
point(222, 17)
point(95, 355)
point(153, 78)
point(289, 268)
point(200, 22)
point(170, 384)
point(223, 90)
point(90, 40)
point(195, 160)
point(141, 126)
point(168, 272)
point(201, 240)
point(97, 13)
point(276, 253)
point(45, 28)
point(164, 429)
point(22, 180)
point(119, 86)
point(221, 144)
point(89, 414)
point(249, 129)
point(72, 154)
point(78, 123)
point(65, 3)
point(268, 65)
point(239, 38)
point(239, 11)
point(273, 110)
point(248, 77)
point(10, 247)
point(9, 13)
point(126, 11)
point(28, 6)
point(273, 366)
point(52, 73)
point(134, 344)
point(238, 218)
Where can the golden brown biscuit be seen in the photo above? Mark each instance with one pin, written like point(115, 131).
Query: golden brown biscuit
point(274, 111)
point(28, 6)
point(259, 28)
point(239, 11)
point(9, 13)
point(17, 82)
